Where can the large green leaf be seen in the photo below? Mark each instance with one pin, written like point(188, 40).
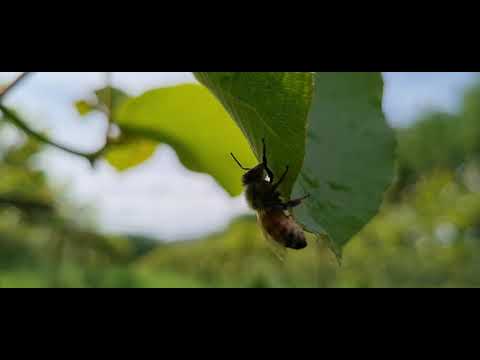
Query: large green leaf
point(349, 160)
point(270, 105)
point(194, 123)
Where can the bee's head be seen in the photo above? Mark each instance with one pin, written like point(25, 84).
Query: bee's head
point(255, 175)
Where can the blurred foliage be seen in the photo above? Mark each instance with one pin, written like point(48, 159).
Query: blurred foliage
point(103, 100)
point(186, 117)
point(440, 140)
point(35, 240)
point(125, 151)
point(427, 234)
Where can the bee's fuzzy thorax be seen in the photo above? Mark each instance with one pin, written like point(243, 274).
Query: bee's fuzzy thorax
point(255, 175)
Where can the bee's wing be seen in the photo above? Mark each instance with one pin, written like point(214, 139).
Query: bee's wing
point(279, 250)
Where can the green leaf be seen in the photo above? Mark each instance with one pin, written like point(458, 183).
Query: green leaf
point(349, 160)
point(111, 97)
point(130, 153)
point(194, 123)
point(104, 99)
point(270, 105)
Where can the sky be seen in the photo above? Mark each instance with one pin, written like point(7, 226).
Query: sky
point(161, 198)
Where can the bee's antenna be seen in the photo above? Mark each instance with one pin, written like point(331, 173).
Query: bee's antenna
point(238, 162)
point(265, 161)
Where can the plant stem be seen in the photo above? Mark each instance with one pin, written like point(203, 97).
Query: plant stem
point(13, 84)
point(14, 119)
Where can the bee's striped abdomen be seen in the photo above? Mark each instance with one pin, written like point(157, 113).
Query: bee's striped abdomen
point(283, 229)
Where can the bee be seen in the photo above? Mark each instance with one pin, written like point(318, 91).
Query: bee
point(273, 214)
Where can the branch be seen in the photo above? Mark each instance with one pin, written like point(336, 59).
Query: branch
point(13, 84)
point(25, 204)
point(109, 105)
point(15, 120)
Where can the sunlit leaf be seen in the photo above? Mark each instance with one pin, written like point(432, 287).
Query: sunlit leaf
point(130, 153)
point(131, 150)
point(194, 123)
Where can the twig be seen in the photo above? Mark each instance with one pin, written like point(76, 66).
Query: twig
point(14, 119)
point(10, 116)
point(13, 84)
point(109, 104)
point(108, 81)
point(25, 204)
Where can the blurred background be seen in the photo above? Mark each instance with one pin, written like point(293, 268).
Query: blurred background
point(64, 224)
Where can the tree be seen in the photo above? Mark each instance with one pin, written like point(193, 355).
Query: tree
point(328, 128)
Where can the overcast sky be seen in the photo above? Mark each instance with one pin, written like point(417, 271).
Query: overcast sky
point(161, 198)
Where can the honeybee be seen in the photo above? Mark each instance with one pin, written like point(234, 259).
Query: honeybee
point(273, 214)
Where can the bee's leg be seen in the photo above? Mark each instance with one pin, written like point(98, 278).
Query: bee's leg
point(295, 202)
point(265, 162)
point(280, 207)
point(277, 184)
